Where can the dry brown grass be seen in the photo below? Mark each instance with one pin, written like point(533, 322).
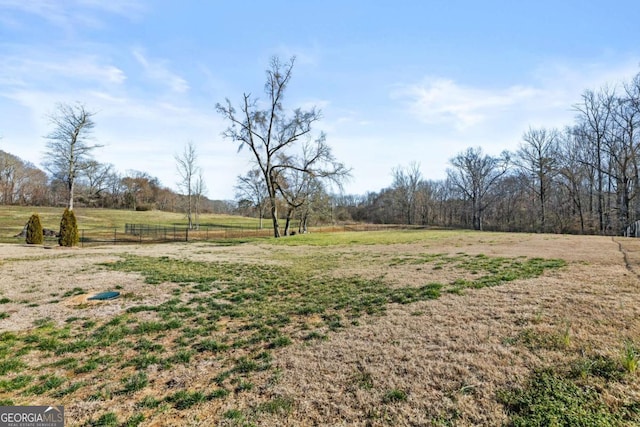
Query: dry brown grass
point(450, 356)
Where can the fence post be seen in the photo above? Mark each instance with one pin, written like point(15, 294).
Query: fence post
point(115, 236)
point(186, 234)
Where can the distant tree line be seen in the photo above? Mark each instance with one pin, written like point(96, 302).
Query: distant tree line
point(98, 185)
point(584, 178)
point(76, 177)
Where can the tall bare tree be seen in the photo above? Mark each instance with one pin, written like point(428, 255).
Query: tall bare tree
point(474, 175)
point(574, 171)
point(406, 182)
point(594, 120)
point(188, 170)
point(275, 137)
point(68, 148)
point(537, 158)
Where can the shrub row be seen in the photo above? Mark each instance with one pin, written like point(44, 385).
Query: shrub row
point(68, 235)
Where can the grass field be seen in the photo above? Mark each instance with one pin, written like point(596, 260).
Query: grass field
point(17, 217)
point(379, 328)
point(100, 224)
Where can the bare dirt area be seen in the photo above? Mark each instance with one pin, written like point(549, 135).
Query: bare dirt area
point(427, 361)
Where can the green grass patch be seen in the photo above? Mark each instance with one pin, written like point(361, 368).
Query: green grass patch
point(109, 419)
point(382, 237)
point(185, 399)
point(277, 406)
point(487, 271)
point(134, 420)
point(596, 366)
point(135, 382)
point(630, 357)
point(11, 365)
point(47, 383)
point(233, 414)
point(15, 383)
point(550, 399)
point(149, 402)
point(72, 388)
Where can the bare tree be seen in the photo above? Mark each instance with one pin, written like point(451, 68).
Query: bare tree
point(594, 119)
point(573, 171)
point(537, 157)
point(199, 191)
point(95, 180)
point(188, 170)
point(317, 203)
point(406, 182)
point(68, 148)
point(252, 187)
point(297, 183)
point(274, 137)
point(474, 174)
point(10, 167)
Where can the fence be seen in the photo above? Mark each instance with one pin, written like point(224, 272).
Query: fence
point(147, 233)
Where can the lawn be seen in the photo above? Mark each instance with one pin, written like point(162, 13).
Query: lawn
point(101, 224)
point(378, 328)
point(89, 218)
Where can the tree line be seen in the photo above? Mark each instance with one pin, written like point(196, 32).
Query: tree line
point(584, 178)
point(97, 185)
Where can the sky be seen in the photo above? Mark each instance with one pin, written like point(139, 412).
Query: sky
point(397, 81)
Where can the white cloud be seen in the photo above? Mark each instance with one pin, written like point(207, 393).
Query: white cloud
point(158, 71)
point(441, 100)
point(73, 13)
point(544, 98)
point(37, 68)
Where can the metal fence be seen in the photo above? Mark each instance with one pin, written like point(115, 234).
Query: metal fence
point(149, 233)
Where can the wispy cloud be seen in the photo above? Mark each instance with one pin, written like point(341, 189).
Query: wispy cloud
point(72, 13)
point(441, 100)
point(545, 99)
point(39, 69)
point(158, 71)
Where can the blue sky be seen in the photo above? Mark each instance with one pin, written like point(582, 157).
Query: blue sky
point(397, 81)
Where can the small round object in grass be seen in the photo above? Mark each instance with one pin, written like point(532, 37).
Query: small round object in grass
point(105, 296)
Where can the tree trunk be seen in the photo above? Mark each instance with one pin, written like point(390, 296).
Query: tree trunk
point(189, 216)
point(273, 200)
point(274, 217)
point(288, 223)
point(71, 185)
point(303, 223)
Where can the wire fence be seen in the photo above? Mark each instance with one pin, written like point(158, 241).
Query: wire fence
point(150, 233)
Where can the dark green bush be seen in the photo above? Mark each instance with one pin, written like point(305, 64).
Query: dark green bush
point(34, 235)
point(68, 229)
